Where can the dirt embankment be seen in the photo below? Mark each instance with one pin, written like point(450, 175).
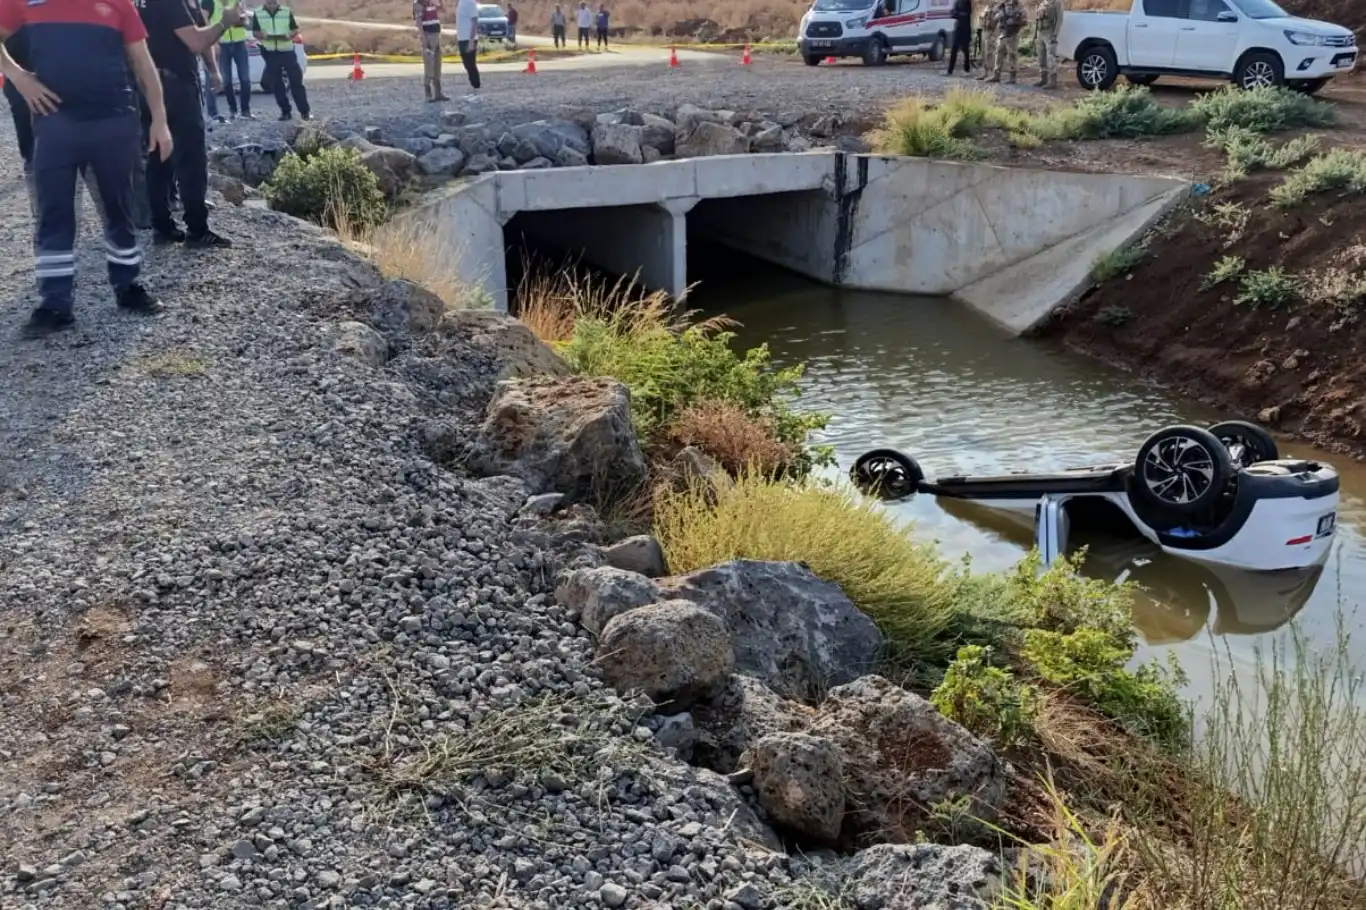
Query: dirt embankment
point(1297, 367)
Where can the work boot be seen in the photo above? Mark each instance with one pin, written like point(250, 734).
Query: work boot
point(1010, 80)
point(993, 78)
point(1053, 81)
point(45, 321)
point(1043, 81)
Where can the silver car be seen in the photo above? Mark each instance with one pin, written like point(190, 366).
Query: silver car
point(493, 25)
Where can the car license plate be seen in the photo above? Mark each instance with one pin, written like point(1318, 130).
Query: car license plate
point(822, 44)
point(1327, 525)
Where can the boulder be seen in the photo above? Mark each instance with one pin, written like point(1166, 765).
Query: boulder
point(766, 137)
point(742, 713)
point(571, 436)
point(674, 652)
point(507, 164)
point(601, 594)
point(446, 141)
point(450, 119)
point(474, 139)
point(657, 133)
point(442, 162)
point(550, 136)
point(707, 137)
point(799, 144)
point(233, 189)
point(428, 130)
point(800, 783)
point(567, 157)
point(392, 167)
point(537, 164)
point(516, 349)
point(649, 155)
point(923, 877)
point(688, 116)
point(399, 306)
point(360, 342)
point(901, 757)
point(373, 134)
point(524, 150)
point(358, 143)
point(792, 630)
point(478, 164)
point(416, 145)
point(616, 143)
point(825, 125)
point(641, 553)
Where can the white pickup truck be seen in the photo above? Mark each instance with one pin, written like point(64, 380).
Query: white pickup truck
point(1250, 42)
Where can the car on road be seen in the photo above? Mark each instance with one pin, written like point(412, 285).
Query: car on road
point(874, 30)
point(256, 64)
point(493, 23)
point(1251, 43)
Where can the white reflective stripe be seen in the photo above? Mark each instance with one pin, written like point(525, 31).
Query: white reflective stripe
point(56, 271)
point(122, 251)
point(124, 260)
point(55, 257)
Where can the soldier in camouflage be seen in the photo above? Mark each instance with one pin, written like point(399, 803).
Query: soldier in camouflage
point(1012, 20)
point(990, 32)
point(1047, 24)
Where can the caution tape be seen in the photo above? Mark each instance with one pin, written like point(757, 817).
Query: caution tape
point(553, 52)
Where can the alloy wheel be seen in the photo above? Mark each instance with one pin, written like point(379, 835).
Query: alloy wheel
point(1094, 69)
point(1178, 470)
point(1259, 74)
point(884, 476)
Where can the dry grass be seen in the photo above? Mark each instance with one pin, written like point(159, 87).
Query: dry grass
point(173, 363)
point(412, 248)
point(551, 301)
point(739, 442)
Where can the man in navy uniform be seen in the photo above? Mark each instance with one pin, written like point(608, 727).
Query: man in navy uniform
point(84, 54)
point(177, 43)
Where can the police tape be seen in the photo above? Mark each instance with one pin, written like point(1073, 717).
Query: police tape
point(553, 53)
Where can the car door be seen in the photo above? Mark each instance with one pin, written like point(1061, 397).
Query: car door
point(908, 26)
point(1204, 41)
point(1153, 35)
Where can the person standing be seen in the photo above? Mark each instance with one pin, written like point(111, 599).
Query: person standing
point(17, 48)
point(585, 21)
point(467, 39)
point(603, 25)
point(1047, 24)
point(962, 35)
point(557, 24)
point(232, 56)
point(275, 31)
point(177, 42)
point(427, 15)
point(1012, 19)
point(991, 20)
point(81, 93)
point(512, 25)
point(208, 10)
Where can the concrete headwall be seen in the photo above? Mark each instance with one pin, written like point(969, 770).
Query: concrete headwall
point(1013, 243)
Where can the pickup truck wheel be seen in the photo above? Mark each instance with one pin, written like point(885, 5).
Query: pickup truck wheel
point(875, 54)
point(937, 49)
point(810, 59)
point(1096, 68)
point(1307, 86)
point(1260, 70)
point(1141, 80)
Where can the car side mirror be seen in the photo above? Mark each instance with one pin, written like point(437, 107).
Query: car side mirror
point(1226, 16)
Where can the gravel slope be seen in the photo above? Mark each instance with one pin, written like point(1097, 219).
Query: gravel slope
point(257, 650)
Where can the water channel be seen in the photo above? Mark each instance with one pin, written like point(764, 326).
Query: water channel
point(931, 378)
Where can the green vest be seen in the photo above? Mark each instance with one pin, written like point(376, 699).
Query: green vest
point(275, 26)
point(238, 33)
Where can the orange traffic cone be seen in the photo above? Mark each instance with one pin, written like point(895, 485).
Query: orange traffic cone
point(673, 57)
point(745, 60)
point(357, 74)
point(830, 60)
point(530, 62)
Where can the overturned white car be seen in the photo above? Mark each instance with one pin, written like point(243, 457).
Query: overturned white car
point(1222, 496)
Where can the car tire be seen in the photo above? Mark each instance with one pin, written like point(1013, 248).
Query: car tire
point(1247, 443)
point(1143, 81)
point(937, 49)
point(1097, 68)
point(887, 474)
point(875, 53)
point(1182, 470)
point(810, 60)
point(1307, 86)
point(1260, 69)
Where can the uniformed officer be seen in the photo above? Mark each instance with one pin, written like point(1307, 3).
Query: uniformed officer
point(85, 114)
point(175, 39)
point(275, 30)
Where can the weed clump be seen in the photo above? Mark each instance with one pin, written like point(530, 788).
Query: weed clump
point(1227, 268)
point(1128, 112)
point(917, 130)
point(986, 699)
point(1111, 265)
point(1262, 110)
point(1339, 169)
point(1248, 151)
point(1273, 287)
point(330, 187)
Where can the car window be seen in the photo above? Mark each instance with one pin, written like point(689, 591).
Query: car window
point(1163, 9)
point(1207, 10)
point(907, 6)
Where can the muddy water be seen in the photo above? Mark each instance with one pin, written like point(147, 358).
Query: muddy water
point(934, 380)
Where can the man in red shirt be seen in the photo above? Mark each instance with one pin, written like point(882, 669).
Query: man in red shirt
point(427, 15)
point(85, 114)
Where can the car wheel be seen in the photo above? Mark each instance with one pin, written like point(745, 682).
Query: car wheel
point(937, 49)
point(1247, 443)
point(1140, 80)
point(886, 474)
point(1096, 68)
point(1182, 470)
point(1260, 70)
point(875, 54)
point(1307, 86)
point(809, 60)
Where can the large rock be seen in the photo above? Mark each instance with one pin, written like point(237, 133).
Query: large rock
point(233, 189)
point(359, 342)
point(640, 553)
point(474, 139)
point(707, 137)
point(616, 143)
point(392, 168)
point(687, 116)
point(550, 136)
point(358, 143)
point(416, 145)
point(765, 137)
point(794, 631)
point(674, 652)
point(479, 164)
point(517, 350)
point(252, 162)
point(603, 593)
point(571, 436)
point(902, 757)
point(567, 157)
point(399, 306)
point(745, 711)
point(923, 877)
point(442, 162)
point(800, 783)
point(657, 133)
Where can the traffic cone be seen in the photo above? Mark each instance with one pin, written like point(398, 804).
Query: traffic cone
point(530, 62)
point(830, 60)
point(673, 57)
point(357, 74)
point(745, 60)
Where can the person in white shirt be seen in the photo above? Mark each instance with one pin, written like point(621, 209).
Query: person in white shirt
point(467, 38)
point(585, 25)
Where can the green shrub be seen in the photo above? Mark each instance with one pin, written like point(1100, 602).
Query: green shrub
point(1114, 316)
point(330, 187)
point(1226, 269)
point(1111, 265)
point(915, 129)
point(985, 699)
point(1091, 664)
point(1339, 169)
point(1247, 151)
point(1125, 113)
point(1262, 110)
point(1273, 287)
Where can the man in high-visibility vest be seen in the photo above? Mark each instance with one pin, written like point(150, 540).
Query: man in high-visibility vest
point(275, 31)
point(232, 56)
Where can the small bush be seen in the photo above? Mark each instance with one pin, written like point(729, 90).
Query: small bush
point(739, 442)
point(1262, 110)
point(1273, 287)
point(1114, 316)
point(915, 129)
point(330, 187)
point(1226, 269)
point(985, 699)
point(1339, 169)
point(901, 584)
point(1115, 263)
point(1341, 283)
point(1247, 151)
point(1127, 112)
point(1091, 664)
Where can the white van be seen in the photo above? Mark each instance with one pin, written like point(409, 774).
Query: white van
point(875, 29)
